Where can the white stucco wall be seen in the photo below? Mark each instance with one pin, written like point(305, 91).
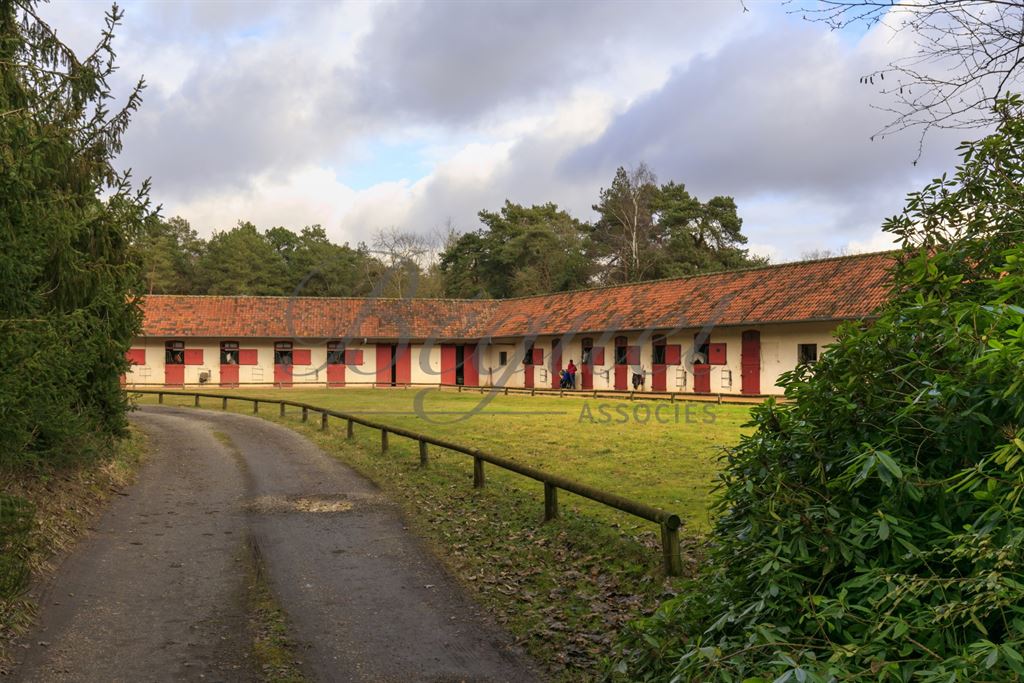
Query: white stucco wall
point(778, 354)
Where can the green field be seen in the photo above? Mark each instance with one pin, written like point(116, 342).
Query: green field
point(669, 463)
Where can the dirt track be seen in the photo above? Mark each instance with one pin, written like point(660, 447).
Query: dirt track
point(158, 590)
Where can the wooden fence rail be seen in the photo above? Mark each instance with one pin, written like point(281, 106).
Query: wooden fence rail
point(668, 521)
point(623, 394)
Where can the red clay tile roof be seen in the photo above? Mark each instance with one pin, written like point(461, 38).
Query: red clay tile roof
point(843, 288)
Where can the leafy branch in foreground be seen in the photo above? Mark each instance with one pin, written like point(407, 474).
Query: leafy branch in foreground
point(873, 528)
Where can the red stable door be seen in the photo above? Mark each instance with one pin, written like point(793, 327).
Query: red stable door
point(229, 375)
point(448, 363)
point(534, 357)
point(588, 359)
point(621, 364)
point(470, 366)
point(335, 364)
point(283, 374)
point(283, 364)
point(702, 378)
point(556, 364)
point(750, 362)
point(229, 359)
point(394, 364)
point(174, 375)
point(664, 356)
point(658, 367)
point(174, 363)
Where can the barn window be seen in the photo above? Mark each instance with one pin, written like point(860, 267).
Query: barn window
point(807, 353)
point(528, 356)
point(621, 351)
point(503, 358)
point(335, 353)
point(229, 353)
point(659, 349)
point(282, 353)
point(586, 358)
point(174, 353)
point(701, 349)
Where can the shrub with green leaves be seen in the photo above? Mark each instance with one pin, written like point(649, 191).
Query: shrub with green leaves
point(873, 528)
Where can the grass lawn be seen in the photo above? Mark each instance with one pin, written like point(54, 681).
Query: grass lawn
point(562, 588)
point(669, 463)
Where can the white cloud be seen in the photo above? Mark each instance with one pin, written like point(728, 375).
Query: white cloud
point(257, 109)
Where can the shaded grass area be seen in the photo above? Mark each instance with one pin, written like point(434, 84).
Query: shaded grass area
point(654, 452)
point(42, 513)
point(562, 588)
point(273, 648)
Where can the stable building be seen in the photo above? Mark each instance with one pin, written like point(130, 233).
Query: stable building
point(731, 332)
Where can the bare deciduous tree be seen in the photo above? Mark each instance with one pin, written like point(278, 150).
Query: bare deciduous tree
point(626, 227)
point(967, 54)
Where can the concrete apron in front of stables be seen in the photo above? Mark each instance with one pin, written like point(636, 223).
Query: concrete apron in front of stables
point(158, 591)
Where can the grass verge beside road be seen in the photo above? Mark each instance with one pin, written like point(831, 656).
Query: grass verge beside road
point(42, 513)
point(562, 588)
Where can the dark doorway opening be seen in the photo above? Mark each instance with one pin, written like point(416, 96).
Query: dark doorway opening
point(460, 365)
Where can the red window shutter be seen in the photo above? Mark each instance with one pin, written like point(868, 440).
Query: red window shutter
point(597, 355)
point(673, 354)
point(248, 357)
point(716, 354)
point(633, 355)
point(538, 356)
point(353, 356)
point(136, 356)
point(193, 356)
point(301, 357)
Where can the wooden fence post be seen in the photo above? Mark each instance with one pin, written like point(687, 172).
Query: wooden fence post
point(305, 414)
point(160, 397)
point(197, 401)
point(224, 403)
point(281, 411)
point(255, 407)
point(323, 422)
point(670, 550)
point(383, 441)
point(550, 502)
point(478, 473)
point(350, 430)
point(424, 460)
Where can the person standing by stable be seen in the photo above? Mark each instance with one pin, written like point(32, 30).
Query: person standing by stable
point(571, 369)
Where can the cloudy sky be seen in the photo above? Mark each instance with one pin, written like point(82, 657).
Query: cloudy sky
point(363, 116)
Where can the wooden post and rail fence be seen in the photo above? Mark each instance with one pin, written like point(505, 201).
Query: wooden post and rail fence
point(668, 521)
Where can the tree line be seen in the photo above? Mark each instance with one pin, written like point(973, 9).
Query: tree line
point(643, 231)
